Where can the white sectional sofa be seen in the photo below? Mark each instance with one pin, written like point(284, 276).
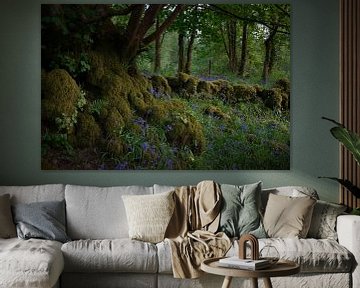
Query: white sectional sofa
point(100, 253)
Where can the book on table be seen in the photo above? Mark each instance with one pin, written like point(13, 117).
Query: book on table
point(249, 264)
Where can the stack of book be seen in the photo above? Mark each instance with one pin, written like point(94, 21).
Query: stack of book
point(248, 264)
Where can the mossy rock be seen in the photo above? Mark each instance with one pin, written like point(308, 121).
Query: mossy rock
point(160, 84)
point(272, 98)
point(60, 94)
point(174, 83)
point(244, 92)
point(183, 77)
point(191, 85)
point(283, 84)
point(204, 87)
point(114, 122)
point(225, 90)
point(162, 111)
point(116, 147)
point(140, 83)
point(137, 102)
point(115, 92)
point(88, 132)
point(186, 132)
point(216, 112)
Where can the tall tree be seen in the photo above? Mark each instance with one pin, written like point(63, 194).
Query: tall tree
point(244, 50)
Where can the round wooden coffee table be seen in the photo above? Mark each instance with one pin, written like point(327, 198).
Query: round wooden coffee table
point(281, 268)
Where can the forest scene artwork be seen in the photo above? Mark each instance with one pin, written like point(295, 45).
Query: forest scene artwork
point(165, 86)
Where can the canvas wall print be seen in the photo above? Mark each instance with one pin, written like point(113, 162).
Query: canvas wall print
point(165, 87)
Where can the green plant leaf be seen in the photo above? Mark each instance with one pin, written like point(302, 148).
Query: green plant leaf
point(348, 185)
point(348, 138)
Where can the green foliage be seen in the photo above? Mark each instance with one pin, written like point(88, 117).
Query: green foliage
point(56, 141)
point(97, 106)
point(351, 141)
point(75, 65)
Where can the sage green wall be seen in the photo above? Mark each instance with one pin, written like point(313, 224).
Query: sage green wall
point(314, 94)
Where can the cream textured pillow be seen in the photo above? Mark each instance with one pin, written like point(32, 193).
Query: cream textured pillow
point(288, 217)
point(7, 226)
point(149, 215)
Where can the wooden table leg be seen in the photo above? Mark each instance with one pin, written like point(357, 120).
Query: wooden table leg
point(254, 282)
point(267, 283)
point(227, 282)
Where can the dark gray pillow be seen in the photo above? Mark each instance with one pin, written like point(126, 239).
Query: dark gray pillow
point(240, 213)
point(44, 220)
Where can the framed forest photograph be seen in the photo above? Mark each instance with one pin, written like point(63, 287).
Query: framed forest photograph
point(165, 86)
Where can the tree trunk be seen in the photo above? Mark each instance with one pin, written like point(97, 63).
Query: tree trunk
point(157, 62)
point(181, 60)
point(231, 35)
point(244, 51)
point(272, 56)
point(189, 52)
point(267, 59)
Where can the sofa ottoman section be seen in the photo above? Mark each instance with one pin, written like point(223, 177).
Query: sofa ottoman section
point(117, 255)
point(30, 263)
point(108, 280)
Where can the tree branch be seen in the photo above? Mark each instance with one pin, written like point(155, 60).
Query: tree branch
point(134, 23)
point(149, 19)
point(147, 40)
point(251, 20)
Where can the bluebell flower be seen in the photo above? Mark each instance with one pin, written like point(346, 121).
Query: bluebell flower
point(122, 166)
point(168, 128)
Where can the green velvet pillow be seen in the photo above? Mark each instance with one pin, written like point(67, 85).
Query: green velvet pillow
point(240, 213)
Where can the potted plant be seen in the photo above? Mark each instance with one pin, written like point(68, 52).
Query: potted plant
point(351, 141)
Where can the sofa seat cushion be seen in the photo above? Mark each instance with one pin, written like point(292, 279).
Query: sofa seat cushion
point(110, 255)
point(313, 255)
point(30, 263)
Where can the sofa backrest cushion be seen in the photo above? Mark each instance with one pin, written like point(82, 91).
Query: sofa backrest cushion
point(36, 193)
point(292, 191)
point(98, 212)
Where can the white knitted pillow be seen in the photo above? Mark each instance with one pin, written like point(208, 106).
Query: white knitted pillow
point(149, 215)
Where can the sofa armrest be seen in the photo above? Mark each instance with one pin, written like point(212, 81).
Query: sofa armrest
point(348, 230)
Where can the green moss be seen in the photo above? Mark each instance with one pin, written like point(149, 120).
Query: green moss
point(216, 112)
point(283, 84)
point(137, 102)
point(187, 132)
point(183, 77)
point(244, 92)
point(114, 122)
point(174, 83)
point(205, 87)
point(88, 132)
point(160, 84)
point(116, 147)
point(272, 98)
point(115, 92)
point(225, 90)
point(60, 95)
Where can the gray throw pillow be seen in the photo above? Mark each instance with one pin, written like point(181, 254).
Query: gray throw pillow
point(44, 220)
point(323, 222)
point(7, 226)
point(240, 213)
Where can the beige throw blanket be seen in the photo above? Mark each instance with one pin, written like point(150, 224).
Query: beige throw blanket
point(191, 231)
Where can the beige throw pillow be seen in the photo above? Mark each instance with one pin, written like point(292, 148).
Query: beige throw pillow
point(149, 215)
point(7, 226)
point(288, 217)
